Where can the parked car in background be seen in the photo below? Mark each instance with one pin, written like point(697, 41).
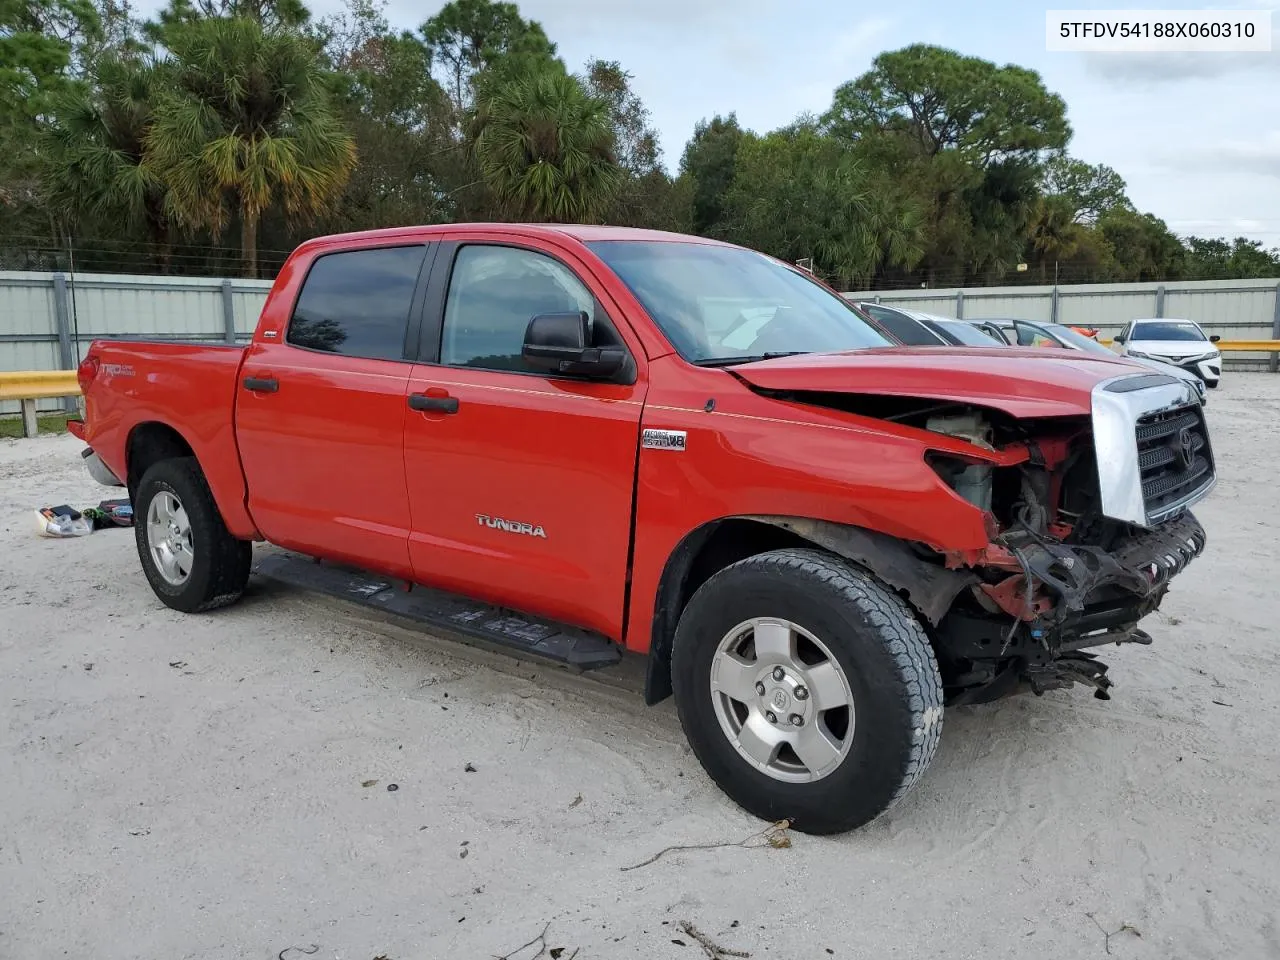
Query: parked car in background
point(915, 329)
point(1179, 342)
point(1026, 333)
point(1059, 335)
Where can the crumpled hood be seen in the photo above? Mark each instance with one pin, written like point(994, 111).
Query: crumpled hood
point(1021, 381)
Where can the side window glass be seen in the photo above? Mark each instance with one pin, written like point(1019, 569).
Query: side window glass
point(902, 327)
point(494, 293)
point(356, 303)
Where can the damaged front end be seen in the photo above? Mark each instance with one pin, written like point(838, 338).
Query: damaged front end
point(1088, 522)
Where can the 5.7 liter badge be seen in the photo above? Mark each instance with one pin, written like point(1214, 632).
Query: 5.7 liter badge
point(663, 440)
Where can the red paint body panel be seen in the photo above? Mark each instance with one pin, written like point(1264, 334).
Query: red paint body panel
point(1021, 381)
point(324, 455)
point(335, 463)
point(188, 387)
point(558, 456)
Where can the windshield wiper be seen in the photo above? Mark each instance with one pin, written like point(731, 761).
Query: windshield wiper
point(730, 361)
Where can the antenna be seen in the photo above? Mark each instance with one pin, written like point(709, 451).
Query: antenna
point(71, 282)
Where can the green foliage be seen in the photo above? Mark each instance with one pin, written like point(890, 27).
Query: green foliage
point(97, 147)
point(1089, 191)
point(709, 162)
point(1240, 259)
point(470, 37)
point(243, 123)
point(545, 146)
point(931, 99)
point(148, 143)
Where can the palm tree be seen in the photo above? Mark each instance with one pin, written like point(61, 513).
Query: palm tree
point(96, 152)
point(545, 147)
point(245, 122)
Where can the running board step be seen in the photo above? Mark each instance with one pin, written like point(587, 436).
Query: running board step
point(446, 611)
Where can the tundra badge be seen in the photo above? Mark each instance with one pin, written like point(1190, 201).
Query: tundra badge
point(663, 440)
point(511, 526)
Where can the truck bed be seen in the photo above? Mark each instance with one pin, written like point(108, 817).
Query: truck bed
point(141, 385)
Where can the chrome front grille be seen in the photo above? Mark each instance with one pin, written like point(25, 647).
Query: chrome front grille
point(1174, 458)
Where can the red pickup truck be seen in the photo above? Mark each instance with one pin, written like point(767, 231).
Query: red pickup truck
point(578, 440)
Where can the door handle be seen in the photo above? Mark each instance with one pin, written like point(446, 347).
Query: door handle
point(446, 404)
point(261, 384)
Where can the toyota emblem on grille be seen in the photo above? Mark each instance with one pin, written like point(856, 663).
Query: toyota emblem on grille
point(1186, 448)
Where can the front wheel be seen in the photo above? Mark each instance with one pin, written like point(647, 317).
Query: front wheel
point(807, 689)
point(190, 559)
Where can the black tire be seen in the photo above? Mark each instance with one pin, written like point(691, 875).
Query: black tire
point(877, 643)
point(219, 562)
point(1211, 384)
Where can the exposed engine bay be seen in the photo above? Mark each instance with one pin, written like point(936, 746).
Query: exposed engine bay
point(1059, 576)
point(1061, 573)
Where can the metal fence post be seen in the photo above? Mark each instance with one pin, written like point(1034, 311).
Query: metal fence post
point(228, 313)
point(959, 304)
point(1053, 305)
point(1274, 363)
point(62, 319)
point(1160, 302)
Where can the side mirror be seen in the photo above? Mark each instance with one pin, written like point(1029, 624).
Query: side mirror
point(1119, 338)
point(1214, 338)
point(557, 343)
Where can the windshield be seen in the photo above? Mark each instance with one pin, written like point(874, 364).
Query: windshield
point(1077, 340)
point(723, 304)
point(968, 334)
point(1166, 331)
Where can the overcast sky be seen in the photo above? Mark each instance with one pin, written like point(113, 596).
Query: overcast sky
point(1196, 136)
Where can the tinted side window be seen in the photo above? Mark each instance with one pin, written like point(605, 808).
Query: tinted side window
point(357, 303)
point(494, 293)
point(902, 327)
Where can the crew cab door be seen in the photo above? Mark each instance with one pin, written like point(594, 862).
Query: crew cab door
point(520, 483)
point(320, 408)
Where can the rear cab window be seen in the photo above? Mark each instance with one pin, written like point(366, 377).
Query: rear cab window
point(357, 303)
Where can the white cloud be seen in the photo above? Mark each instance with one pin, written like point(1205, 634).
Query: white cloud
point(1260, 156)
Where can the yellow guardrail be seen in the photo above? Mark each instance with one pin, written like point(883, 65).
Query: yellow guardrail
point(1241, 345)
point(38, 384)
point(28, 386)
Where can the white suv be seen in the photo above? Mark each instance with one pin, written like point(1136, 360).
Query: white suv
point(1179, 342)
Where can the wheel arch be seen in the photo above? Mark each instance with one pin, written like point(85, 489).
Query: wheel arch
point(150, 442)
point(929, 589)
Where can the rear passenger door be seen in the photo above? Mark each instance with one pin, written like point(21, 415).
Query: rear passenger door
point(520, 482)
point(320, 409)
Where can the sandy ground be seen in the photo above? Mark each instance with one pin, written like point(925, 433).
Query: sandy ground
point(192, 787)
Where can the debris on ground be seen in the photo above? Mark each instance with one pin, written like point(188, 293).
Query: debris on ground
point(774, 836)
point(712, 949)
point(369, 783)
point(66, 521)
point(392, 787)
point(576, 800)
point(1124, 928)
point(63, 521)
point(540, 941)
point(469, 768)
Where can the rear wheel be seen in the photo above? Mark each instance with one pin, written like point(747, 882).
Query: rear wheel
point(190, 559)
point(807, 689)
